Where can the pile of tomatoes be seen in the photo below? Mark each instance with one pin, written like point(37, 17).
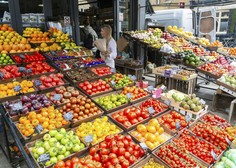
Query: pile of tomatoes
point(136, 92)
point(215, 120)
point(198, 147)
point(130, 116)
point(85, 162)
point(156, 104)
point(175, 157)
point(117, 151)
point(28, 58)
point(214, 135)
point(171, 119)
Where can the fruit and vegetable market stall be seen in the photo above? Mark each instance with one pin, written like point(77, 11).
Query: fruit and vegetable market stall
point(61, 107)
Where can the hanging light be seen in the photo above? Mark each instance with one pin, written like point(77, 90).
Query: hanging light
point(41, 5)
point(3, 1)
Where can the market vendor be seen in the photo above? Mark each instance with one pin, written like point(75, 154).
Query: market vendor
point(110, 54)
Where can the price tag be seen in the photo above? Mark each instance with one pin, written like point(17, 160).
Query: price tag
point(150, 88)
point(1, 75)
point(113, 83)
point(167, 102)
point(17, 106)
point(129, 95)
point(21, 69)
point(37, 82)
point(163, 87)
point(184, 78)
point(177, 126)
point(17, 88)
point(53, 53)
point(202, 101)
point(22, 56)
point(143, 146)
point(167, 73)
point(213, 154)
point(151, 110)
point(187, 118)
point(88, 138)
point(68, 116)
point(44, 157)
point(129, 75)
point(39, 128)
point(228, 141)
point(28, 71)
point(182, 111)
point(158, 93)
point(57, 97)
point(113, 70)
point(133, 78)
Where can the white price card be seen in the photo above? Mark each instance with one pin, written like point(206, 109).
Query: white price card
point(88, 138)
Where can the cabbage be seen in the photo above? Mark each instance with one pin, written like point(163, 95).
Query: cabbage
point(231, 155)
point(228, 163)
point(219, 165)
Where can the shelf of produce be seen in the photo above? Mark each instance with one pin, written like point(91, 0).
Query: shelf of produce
point(20, 107)
point(215, 77)
point(30, 145)
point(115, 117)
point(82, 110)
point(95, 87)
point(227, 88)
point(80, 75)
point(169, 148)
point(63, 94)
point(117, 107)
point(185, 141)
point(147, 105)
point(164, 134)
point(97, 131)
point(151, 160)
point(205, 130)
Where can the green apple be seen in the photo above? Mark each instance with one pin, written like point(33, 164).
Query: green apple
point(59, 136)
point(46, 145)
point(63, 131)
point(67, 153)
point(64, 141)
point(60, 157)
point(40, 151)
point(76, 148)
point(62, 150)
point(52, 141)
point(36, 156)
point(46, 137)
point(53, 160)
point(69, 146)
point(75, 139)
point(38, 143)
point(48, 163)
point(70, 133)
point(53, 151)
point(52, 133)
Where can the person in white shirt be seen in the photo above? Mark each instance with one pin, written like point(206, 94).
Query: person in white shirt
point(111, 52)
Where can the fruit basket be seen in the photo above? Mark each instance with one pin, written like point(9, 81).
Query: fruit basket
point(95, 132)
point(135, 94)
point(119, 81)
point(45, 82)
point(156, 134)
point(20, 107)
point(80, 75)
point(196, 146)
point(215, 120)
point(129, 118)
point(12, 90)
point(22, 58)
point(152, 106)
point(35, 124)
point(44, 156)
point(64, 94)
point(151, 160)
point(174, 121)
point(82, 110)
point(218, 135)
point(95, 87)
point(111, 102)
point(166, 152)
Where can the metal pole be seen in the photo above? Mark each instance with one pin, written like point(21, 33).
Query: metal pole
point(16, 20)
point(74, 15)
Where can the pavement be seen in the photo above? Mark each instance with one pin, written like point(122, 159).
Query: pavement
point(206, 94)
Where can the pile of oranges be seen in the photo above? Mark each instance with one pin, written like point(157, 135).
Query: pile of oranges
point(36, 35)
point(7, 89)
point(216, 44)
point(50, 118)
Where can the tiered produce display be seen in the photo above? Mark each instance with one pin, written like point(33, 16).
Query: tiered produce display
point(68, 110)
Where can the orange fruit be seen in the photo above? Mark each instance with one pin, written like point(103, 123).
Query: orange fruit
point(51, 127)
point(150, 144)
point(64, 122)
point(45, 124)
point(58, 124)
point(20, 126)
point(22, 119)
point(51, 115)
point(35, 122)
